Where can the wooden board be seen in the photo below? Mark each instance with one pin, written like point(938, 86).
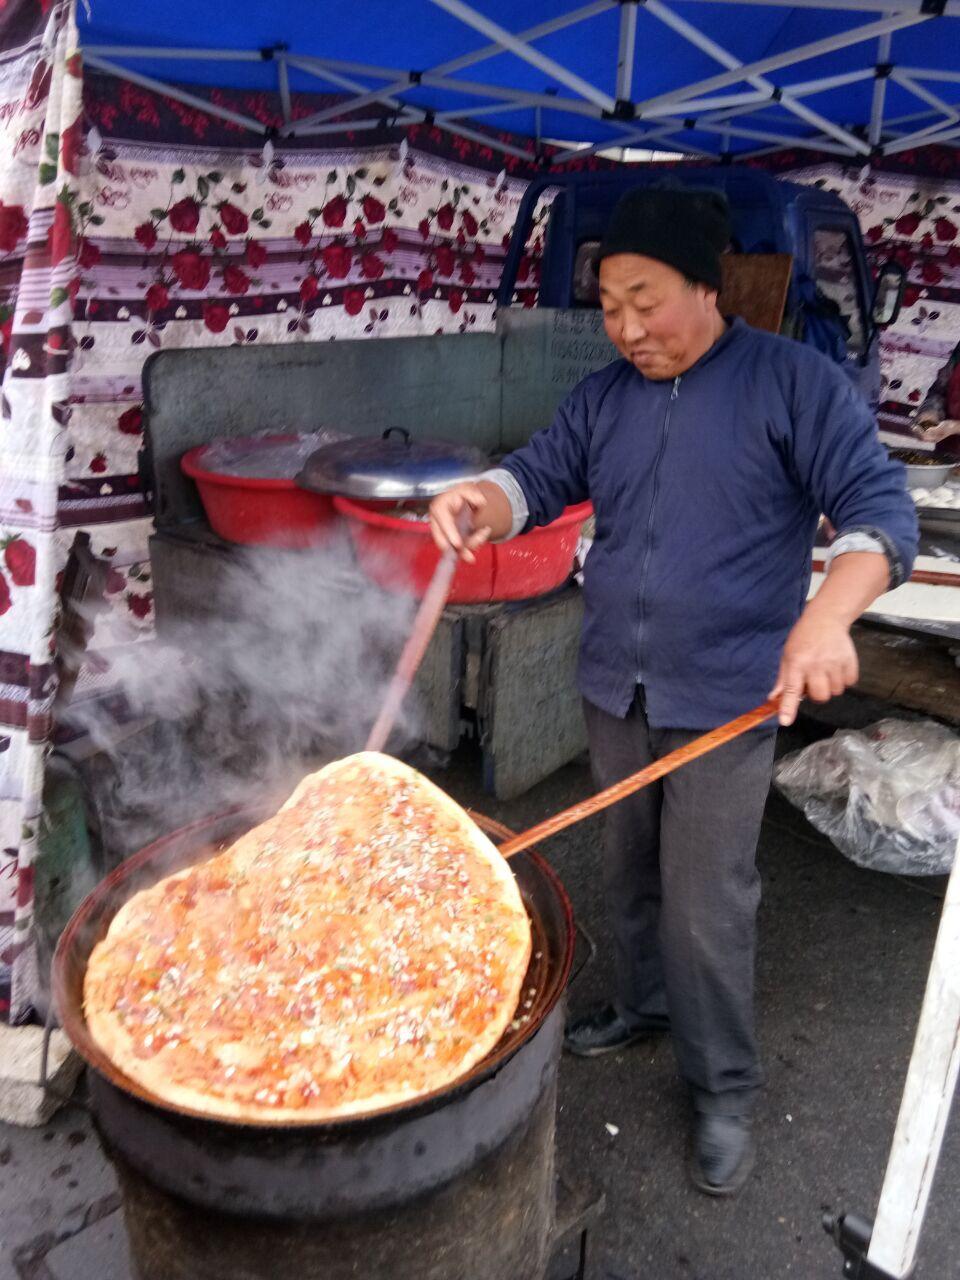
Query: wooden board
point(911, 673)
point(755, 287)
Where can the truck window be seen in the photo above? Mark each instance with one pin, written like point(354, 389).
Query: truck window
point(586, 286)
point(835, 273)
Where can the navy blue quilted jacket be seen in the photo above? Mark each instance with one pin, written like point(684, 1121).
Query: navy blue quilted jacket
point(707, 492)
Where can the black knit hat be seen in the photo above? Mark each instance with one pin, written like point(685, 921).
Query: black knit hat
point(685, 227)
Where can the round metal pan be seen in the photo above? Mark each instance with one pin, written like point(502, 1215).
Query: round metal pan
point(546, 901)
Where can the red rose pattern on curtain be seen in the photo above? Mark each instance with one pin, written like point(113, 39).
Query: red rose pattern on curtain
point(909, 211)
point(40, 214)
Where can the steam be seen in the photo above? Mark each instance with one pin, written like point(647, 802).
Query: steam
point(286, 672)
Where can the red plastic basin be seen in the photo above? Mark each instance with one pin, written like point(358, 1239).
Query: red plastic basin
point(260, 512)
point(400, 555)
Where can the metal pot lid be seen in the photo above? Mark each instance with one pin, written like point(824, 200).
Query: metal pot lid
point(391, 466)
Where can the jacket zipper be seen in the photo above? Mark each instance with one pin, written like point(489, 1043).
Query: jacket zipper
point(645, 564)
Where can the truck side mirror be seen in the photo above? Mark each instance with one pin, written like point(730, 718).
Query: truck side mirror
point(888, 295)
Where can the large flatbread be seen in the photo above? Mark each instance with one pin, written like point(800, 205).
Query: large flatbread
point(363, 947)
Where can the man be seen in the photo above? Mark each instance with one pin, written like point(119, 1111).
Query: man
point(709, 450)
point(938, 418)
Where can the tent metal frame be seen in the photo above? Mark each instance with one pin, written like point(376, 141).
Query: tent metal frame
point(712, 106)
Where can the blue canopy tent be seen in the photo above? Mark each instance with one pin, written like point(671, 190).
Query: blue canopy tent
point(704, 77)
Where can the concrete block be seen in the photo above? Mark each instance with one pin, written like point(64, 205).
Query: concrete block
point(100, 1252)
point(22, 1101)
point(530, 710)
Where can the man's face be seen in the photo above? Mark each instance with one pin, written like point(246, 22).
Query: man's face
point(654, 318)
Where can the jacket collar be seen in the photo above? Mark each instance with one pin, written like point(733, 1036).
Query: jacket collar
point(736, 329)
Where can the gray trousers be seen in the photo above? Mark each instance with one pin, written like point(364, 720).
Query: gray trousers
point(682, 892)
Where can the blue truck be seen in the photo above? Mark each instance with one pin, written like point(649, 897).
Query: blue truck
point(833, 301)
point(502, 672)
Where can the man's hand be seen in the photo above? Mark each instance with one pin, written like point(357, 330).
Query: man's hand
point(934, 431)
point(819, 661)
point(924, 420)
point(482, 509)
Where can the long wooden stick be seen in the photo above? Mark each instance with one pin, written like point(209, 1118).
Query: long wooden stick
point(424, 625)
point(683, 755)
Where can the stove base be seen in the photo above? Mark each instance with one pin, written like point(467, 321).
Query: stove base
point(496, 1221)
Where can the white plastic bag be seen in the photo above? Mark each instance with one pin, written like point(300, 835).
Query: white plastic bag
point(887, 796)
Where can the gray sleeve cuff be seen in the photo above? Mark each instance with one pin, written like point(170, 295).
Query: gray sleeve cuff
point(508, 482)
point(868, 540)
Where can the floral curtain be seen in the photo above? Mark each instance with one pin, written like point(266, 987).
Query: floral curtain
point(40, 211)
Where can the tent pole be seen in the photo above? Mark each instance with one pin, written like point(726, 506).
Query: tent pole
point(312, 65)
point(283, 86)
point(763, 135)
point(806, 87)
point(196, 55)
point(545, 28)
point(414, 115)
point(879, 89)
point(926, 138)
point(520, 49)
point(719, 127)
point(353, 104)
point(803, 112)
point(697, 105)
point(733, 64)
point(929, 73)
point(774, 62)
point(627, 50)
point(323, 67)
point(951, 7)
point(632, 139)
point(333, 76)
point(148, 82)
point(532, 33)
point(169, 91)
point(575, 106)
point(342, 82)
point(918, 91)
point(474, 135)
point(491, 109)
point(820, 144)
point(355, 126)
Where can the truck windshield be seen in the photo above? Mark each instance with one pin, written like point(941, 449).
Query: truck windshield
point(835, 274)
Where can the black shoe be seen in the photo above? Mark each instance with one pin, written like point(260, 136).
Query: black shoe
point(604, 1031)
point(723, 1153)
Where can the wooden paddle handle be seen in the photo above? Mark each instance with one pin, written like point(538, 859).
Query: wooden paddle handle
point(683, 755)
point(424, 625)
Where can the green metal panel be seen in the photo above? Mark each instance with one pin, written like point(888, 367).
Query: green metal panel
point(446, 386)
point(546, 352)
point(65, 869)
